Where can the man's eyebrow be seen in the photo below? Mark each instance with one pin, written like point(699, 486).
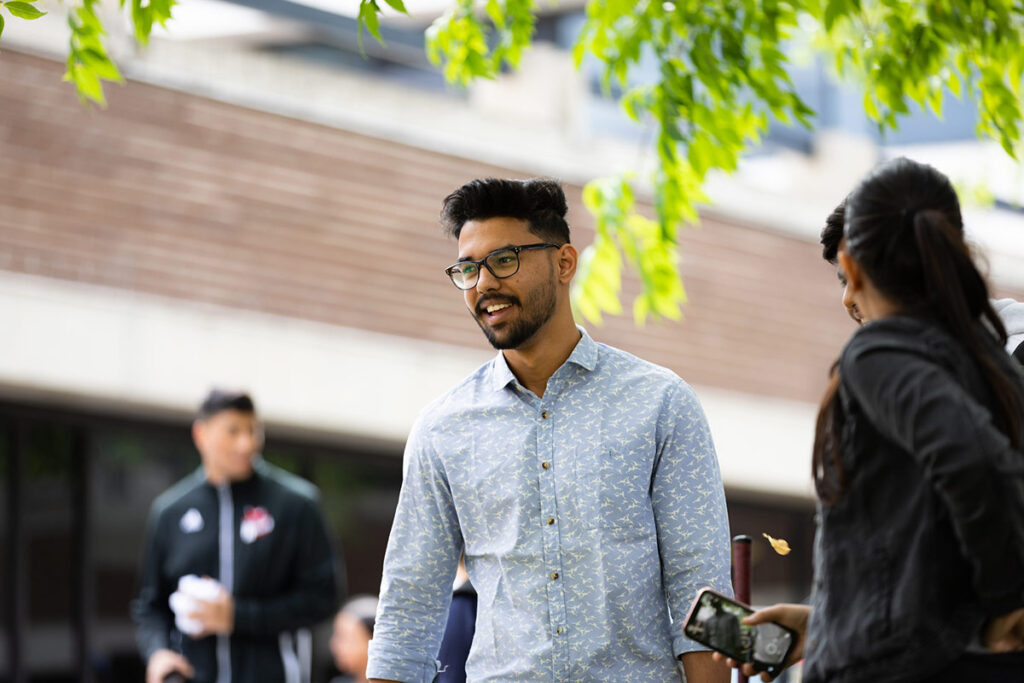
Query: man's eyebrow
point(463, 259)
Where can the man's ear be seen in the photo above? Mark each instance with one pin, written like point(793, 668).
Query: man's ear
point(568, 258)
point(854, 275)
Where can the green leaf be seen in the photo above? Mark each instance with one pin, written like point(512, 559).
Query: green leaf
point(161, 10)
point(397, 5)
point(869, 106)
point(142, 20)
point(368, 18)
point(101, 65)
point(641, 309)
point(86, 83)
point(1, 25)
point(23, 10)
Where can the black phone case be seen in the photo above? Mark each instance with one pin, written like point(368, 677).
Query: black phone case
point(760, 666)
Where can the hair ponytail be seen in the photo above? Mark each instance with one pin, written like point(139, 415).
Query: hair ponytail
point(957, 296)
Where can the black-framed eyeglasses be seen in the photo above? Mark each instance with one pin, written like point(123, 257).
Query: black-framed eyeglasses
point(502, 263)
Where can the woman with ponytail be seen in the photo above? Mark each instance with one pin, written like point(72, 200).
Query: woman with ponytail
point(918, 459)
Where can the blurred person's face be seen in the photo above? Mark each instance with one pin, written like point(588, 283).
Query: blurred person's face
point(861, 296)
point(349, 644)
point(848, 303)
point(509, 310)
point(227, 442)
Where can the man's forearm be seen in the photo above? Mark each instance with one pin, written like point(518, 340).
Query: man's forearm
point(700, 668)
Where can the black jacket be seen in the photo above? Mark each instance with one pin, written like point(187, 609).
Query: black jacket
point(276, 559)
point(927, 541)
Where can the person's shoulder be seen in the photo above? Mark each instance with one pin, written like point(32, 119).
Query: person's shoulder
point(622, 366)
point(894, 333)
point(181, 494)
point(288, 485)
point(465, 393)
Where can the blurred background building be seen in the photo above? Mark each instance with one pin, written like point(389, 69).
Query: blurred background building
point(257, 208)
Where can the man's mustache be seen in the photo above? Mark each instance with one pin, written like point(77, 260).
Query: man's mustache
point(481, 306)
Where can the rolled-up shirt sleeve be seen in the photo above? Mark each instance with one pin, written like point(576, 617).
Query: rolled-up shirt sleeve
point(689, 509)
point(419, 566)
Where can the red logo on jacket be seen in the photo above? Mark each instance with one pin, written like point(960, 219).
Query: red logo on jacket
point(256, 523)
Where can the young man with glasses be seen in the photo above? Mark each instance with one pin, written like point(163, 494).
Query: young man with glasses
point(580, 481)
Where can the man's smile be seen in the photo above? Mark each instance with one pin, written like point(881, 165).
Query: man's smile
point(494, 311)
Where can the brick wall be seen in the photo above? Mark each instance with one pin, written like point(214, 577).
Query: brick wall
point(173, 194)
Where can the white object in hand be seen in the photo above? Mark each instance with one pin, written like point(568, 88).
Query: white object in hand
point(191, 590)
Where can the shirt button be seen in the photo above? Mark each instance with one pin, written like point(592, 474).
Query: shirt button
point(554, 575)
point(545, 464)
point(559, 630)
point(551, 520)
point(545, 414)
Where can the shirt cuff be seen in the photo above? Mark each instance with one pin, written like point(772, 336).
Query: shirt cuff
point(682, 645)
point(384, 663)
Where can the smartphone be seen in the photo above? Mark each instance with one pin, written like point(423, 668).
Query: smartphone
point(716, 621)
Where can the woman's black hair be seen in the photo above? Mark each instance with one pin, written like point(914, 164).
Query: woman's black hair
point(904, 229)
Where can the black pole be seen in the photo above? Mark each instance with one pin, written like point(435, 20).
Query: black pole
point(741, 575)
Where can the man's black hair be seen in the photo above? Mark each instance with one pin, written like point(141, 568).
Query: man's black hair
point(832, 233)
point(538, 201)
point(219, 400)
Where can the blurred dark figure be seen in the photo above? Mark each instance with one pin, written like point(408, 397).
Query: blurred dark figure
point(458, 631)
point(237, 561)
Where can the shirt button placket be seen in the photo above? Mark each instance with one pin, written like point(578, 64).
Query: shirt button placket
point(556, 598)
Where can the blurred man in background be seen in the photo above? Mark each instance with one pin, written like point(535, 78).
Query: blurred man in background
point(237, 561)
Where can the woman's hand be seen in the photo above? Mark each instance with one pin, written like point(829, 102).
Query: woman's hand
point(1005, 633)
point(791, 616)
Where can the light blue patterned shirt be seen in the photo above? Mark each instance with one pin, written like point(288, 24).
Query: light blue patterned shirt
point(589, 517)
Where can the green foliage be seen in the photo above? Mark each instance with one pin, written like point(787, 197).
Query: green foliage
point(722, 72)
point(721, 69)
point(468, 45)
point(913, 51)
point(88, 62)
point(620, 230)
point(23, 10)
point(146, 13)
point(368, 19)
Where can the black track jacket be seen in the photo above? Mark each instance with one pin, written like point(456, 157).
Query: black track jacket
point(265, 540)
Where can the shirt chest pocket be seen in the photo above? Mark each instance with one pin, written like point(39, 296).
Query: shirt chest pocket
point(613, 491)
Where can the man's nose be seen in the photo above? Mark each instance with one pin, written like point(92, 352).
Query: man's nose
point(486, 281)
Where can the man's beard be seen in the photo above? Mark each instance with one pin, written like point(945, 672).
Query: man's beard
point(537, 310)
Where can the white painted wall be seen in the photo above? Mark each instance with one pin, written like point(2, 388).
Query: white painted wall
point(137, 352)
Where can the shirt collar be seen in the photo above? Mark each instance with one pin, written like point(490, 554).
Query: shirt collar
point(584, 355)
